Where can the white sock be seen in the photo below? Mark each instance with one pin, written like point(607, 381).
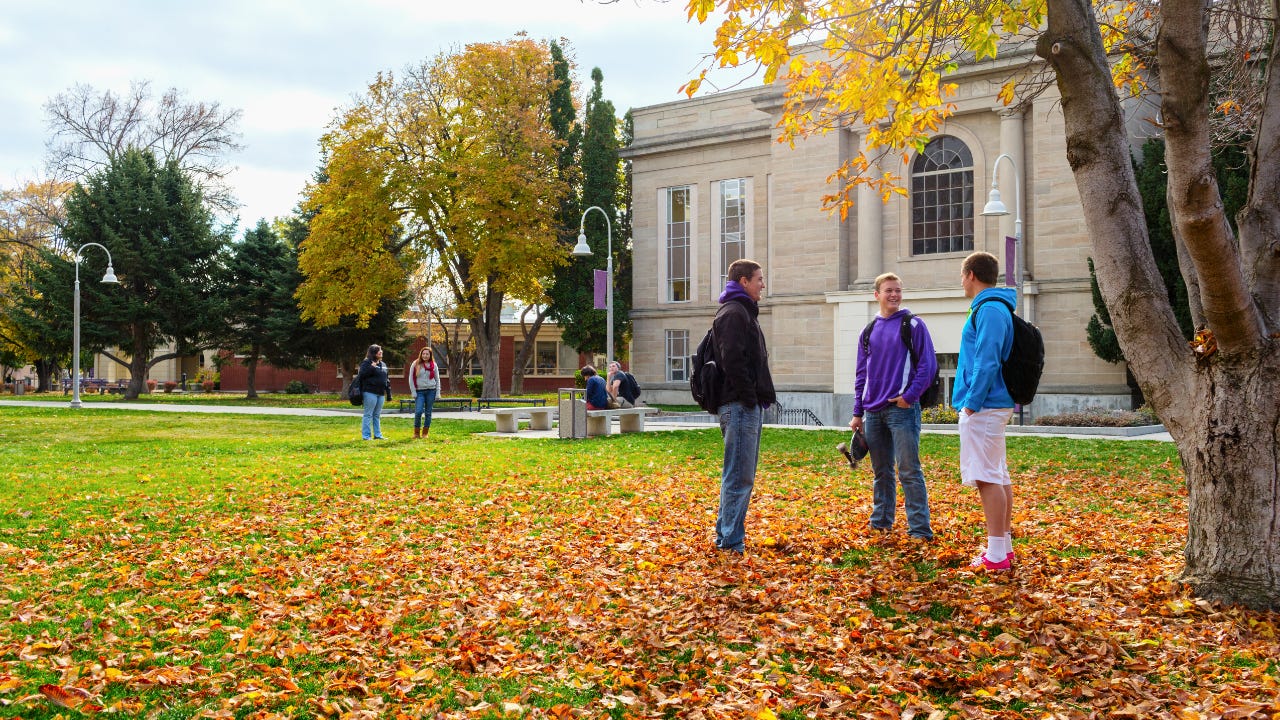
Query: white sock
point(995, 549)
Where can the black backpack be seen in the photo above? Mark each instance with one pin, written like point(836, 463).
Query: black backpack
point(705, 379)
point(633, 387)
point(932, 394)
point(354, 394)
point(1022, 369)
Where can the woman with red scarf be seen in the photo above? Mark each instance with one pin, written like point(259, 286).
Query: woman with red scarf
point(424, 381)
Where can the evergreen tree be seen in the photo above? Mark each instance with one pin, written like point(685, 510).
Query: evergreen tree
point(572, 298)
point(1231, 166)
point(166, 253)
point(263, 320)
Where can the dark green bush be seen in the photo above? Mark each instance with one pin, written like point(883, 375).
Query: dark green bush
point(475, 383)
point(296, 387)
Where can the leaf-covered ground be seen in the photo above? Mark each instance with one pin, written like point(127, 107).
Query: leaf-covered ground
point(201, 566)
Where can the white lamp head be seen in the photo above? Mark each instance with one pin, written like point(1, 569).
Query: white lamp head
point(110, 277)
point(994, 206)
point(582, 249)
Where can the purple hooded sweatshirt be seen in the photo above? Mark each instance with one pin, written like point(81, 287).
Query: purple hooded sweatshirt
point(887, 373)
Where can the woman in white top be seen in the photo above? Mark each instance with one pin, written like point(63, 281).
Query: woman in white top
point(424, 381)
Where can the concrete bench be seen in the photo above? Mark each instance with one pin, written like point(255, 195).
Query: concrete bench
point(509, 418)
point(486, 403)
point(600, 422)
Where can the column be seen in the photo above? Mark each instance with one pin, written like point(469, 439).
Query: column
point(870, 226)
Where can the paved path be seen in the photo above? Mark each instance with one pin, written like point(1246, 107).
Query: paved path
point(650, 425)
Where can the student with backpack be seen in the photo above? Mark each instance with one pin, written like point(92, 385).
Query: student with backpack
point(984, 404)
point(896, 366)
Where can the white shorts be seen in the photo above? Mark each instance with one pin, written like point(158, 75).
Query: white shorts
point(982, 456)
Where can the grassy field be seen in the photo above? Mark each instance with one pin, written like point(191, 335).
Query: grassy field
point(176, 566)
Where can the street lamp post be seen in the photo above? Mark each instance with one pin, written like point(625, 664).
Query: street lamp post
point(584, 250)
point(110, 277)
point(995, 208)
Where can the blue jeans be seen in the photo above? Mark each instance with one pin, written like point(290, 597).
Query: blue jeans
point(372, 422)
point(740, 427)
point(893, 435)
point(425, 402)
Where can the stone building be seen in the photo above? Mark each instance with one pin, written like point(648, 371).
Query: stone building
point(712, 184)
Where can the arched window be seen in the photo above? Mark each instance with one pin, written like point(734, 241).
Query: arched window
point(942, 198)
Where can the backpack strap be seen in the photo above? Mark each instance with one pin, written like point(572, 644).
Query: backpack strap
point(904, 331)
point(974, 321)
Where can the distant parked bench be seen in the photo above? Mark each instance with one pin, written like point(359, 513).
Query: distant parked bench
point(600, 422)
point(509, 418)
point(409, 404)
point(485, 403)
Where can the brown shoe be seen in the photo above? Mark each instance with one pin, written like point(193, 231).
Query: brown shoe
point(415, 433)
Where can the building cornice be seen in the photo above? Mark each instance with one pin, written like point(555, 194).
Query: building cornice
point(703, 137)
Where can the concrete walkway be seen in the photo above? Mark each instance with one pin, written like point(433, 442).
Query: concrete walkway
point(653, 425)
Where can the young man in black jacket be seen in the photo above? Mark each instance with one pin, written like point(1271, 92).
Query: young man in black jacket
point(747, 391)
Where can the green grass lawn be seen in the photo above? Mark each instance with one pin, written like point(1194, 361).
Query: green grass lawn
point(181, 566)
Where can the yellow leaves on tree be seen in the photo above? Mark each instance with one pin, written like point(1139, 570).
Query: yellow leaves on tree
point(451, 163)
point(881, 66)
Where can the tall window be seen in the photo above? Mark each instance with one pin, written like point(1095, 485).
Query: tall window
point(679, 219)
point(942, 198)
point(733, 224)
point(677, 355)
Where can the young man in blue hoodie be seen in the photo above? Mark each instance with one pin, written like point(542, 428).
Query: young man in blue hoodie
point(886, 406)
point(984, 404)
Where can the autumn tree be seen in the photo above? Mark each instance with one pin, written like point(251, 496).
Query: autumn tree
point(30, 221)
point(92, 129)
point(166, 253)
point(572, 296)
point(344, 340)
point(262, 319)
point(457, 158)
point(1214, 64)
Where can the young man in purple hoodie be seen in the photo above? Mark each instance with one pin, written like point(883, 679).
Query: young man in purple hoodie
point(887, 407)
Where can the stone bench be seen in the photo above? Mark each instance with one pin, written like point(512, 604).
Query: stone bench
point(600, 422)
point(509, 418)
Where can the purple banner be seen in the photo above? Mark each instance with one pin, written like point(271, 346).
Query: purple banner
point(602, 288)
point(1010, 259)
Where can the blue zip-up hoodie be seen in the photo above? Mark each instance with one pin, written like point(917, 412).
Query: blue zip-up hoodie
point(985, 342)
point(888, 373)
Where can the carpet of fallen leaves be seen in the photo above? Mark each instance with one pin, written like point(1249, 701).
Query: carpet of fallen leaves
point(476, 577)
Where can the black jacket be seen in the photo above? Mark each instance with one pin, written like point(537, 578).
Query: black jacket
point(742, 355)
point(373, 378)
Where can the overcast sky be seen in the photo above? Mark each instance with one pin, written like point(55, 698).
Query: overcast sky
point(289, 64)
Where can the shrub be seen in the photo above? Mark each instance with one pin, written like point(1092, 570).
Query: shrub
point(475, 383)
point(296, 387)
point(170, 386)
point(151, 385)
point(1099, 417)
point(208, 374)
point(578, 380)
point(208, 385)
point(939, 415)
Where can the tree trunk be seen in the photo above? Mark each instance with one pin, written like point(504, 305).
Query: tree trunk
point(1219, 407)
point(530, 336)
point(1231, 454)
point(139, 364)
point(487, 332)
point(251, 373)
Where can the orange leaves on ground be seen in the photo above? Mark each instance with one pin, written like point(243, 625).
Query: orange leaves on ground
point(72, 698)
point(587, 585)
